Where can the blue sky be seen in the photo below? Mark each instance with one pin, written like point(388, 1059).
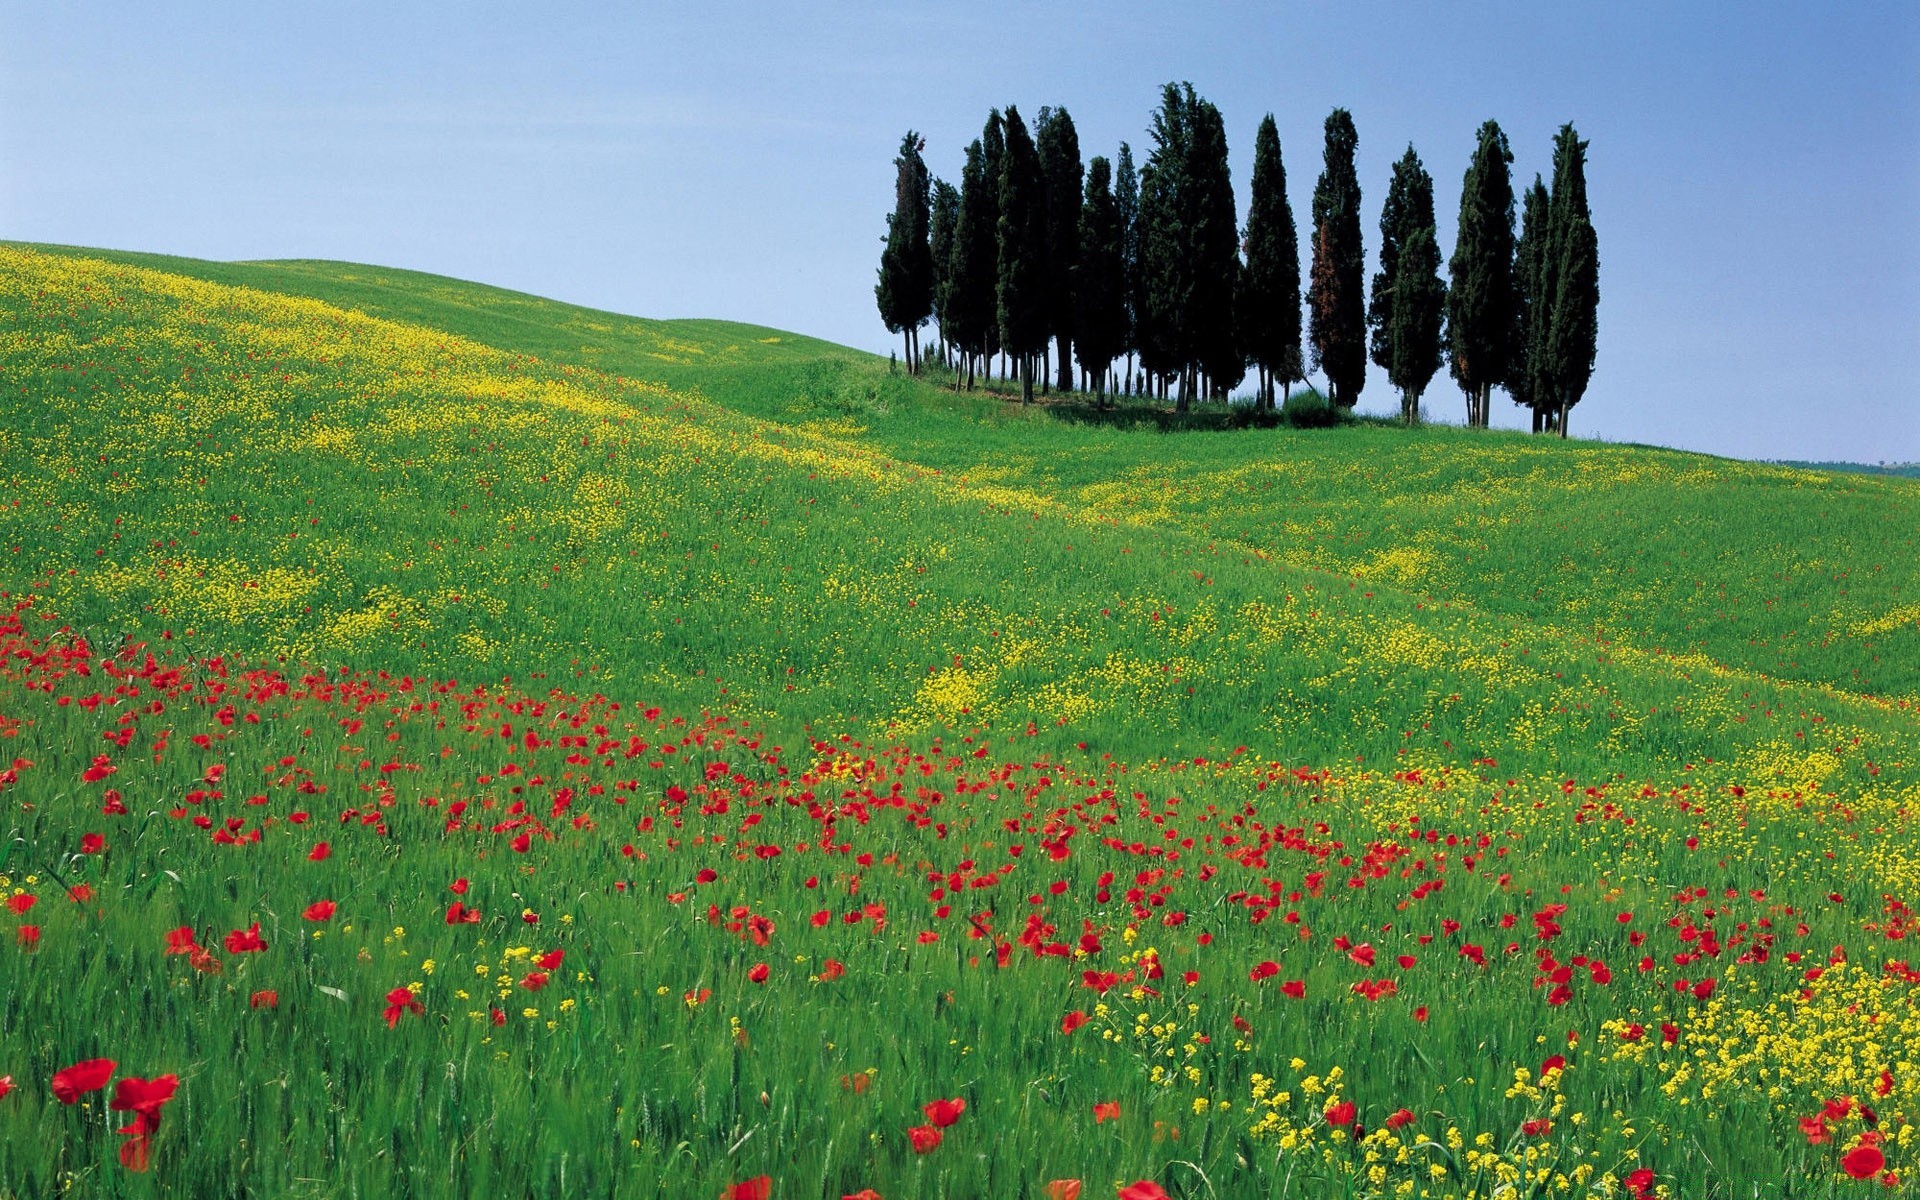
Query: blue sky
point(1754, 169)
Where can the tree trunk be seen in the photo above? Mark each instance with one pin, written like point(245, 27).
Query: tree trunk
point(1066, 362)
point(1026, 379)
point(1564, 407)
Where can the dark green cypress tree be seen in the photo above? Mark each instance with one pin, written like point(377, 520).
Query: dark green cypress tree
point(944, 221)
point(1418, 308)
point(1059, 147)
point(1400, 342)
point(972, 273)
point(1126, 198)
point(1022, 291)
point(1480, 302)
point(1409, 206)
point(993, 147)
point(1532, 284)
point(1213, 243)
point(1099, 284)
point(1338, 297)
point(1269, 313)
point(1573, 331)
point(1166, 278)
point(904, 292)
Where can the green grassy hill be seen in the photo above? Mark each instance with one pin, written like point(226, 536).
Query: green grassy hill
point(1623, 677)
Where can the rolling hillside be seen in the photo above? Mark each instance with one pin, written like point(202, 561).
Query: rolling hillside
point(1611, 676)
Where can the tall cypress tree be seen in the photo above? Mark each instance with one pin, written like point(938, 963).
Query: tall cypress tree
point(1062, 175)
point(944, 221)
point(1338, 297)
point(973, 269)
point(1480, 302)
point(1213, 242)
point(1532, 287)
point(1269, 313)
point(1126, 198)
point(904, 292)
point(1100, 312)
point(1405, 343)
point(1165, 278)
point(993, 148)
point(1022, 292)
point(1573, 331)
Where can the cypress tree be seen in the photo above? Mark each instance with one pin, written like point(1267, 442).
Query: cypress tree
point(1480, 302)
point(993, 147)
point(1213, 243)
point(1418, 307)
point(1059, 149)
point(1269, 305)
point(1165, 276)
point(1573, 330)
point(944, 221)
point(1126, 199)
point(1532, 285)
point(1339, 267)
point(1022, 292)
point(973, 267)
point(1400, 341)
point(904, 292)
point(1100, 313)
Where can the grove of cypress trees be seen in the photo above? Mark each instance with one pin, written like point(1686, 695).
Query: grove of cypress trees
point(993, 148)
point(1407, 344)
point(1126, 199)
point(944, 221)
point(1480, 300)
point(1165, 270)
point(1532, 285)
point(1022, 291)
point(904, 292)
point(1269, 303)
point(1099, 285)
point(1573, 323)
point(1059, 149)
point(1337, 296)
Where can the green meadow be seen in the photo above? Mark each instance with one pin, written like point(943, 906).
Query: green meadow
point(836, 725)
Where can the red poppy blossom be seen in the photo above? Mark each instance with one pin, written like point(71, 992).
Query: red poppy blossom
point(1296, 988)
point(1640, 1183)
point(399, 1001)
point(19, 904)
point(6, 1085)
point(862, 1194)
point(245, 941)
point(535, 980)
point(1073, 1021)
point(1340, 1113)
point(1401, 1117)
point(1863, 1161)
point(1105, 1110)
point(29, 936)
point(143, 1098)
point(320, 851)
point(925, 1138)
point(1265, 970)
point(319, 910)
point(92, 843)
point(89, 1076)
point(1062, 1189)
point(942, 1113)
point(758, 972)
point(831, 970)
point(758, 1188)
point(1145, 1189)
point(264, 999)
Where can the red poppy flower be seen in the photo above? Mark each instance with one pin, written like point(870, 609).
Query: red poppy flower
point(142, 1097)
point(942, 1113)
point(89, 1076)
point(1341, 1113)
point(1145, 1189)
point(535, 980)
point(92, 843)
point(925, 1138)
point(1863, 1162)
point(320, 910)
point(831, 970)
point(29, 936)
point(1105, 1110)
point(1296, 988)
point(264, 999)
point(320, 851)
point(862, 1194)
point(758, 972)
point(21, 903)
point(1063, 1189)
point(245, 941)
point(757, 1188)
point(1073, 1021)
point(1538, 1127)
point(399, 1001)
point(1401, 1117)
point(460, 914)
point(1640, 1183)
point(1265, 970)
point(6, 1084)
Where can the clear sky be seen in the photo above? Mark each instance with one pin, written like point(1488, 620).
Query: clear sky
point(1754, 168)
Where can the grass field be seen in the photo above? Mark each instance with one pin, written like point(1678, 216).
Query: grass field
point(1356, 812)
